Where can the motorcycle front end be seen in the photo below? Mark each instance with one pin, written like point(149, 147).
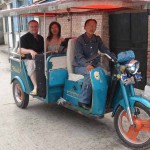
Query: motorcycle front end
point(131, 112)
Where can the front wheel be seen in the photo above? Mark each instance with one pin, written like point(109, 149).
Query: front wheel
point(137, 136)
point(20, 97)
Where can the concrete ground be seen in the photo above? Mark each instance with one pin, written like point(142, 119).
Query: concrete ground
point(49, 127)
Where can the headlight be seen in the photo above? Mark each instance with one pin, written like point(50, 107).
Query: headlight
point(133, 66)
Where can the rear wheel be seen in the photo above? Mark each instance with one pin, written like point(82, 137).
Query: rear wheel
point(137, 136)
point(20, 97)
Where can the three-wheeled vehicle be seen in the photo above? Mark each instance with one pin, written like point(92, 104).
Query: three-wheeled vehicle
point(59, 84)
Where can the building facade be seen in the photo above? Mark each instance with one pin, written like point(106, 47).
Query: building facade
point(11, 24)
point(120, 30)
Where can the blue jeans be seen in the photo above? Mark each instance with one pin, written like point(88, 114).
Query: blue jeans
point(86, 92)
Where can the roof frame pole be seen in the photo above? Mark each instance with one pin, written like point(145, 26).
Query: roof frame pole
point(71, 25)
point(8, 38)
point(19, 30)
point(45, 45)
point(69, 18)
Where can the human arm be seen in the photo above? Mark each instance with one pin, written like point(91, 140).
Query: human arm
point(24, 48)
point(26, 51)
point(104, 49)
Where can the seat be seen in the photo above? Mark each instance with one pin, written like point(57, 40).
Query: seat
point(58, 62)
point(70, 57)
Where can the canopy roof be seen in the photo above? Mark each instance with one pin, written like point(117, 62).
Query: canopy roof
point(73, 6)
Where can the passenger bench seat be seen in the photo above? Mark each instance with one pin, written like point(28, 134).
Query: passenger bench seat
point(70, 57)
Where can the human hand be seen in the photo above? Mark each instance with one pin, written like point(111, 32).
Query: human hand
point(89, 67)
point(33, 53)
point(113, 57)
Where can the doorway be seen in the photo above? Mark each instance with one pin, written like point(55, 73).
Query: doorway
point(129, 31)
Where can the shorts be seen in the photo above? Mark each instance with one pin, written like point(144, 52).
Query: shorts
point(30, 66)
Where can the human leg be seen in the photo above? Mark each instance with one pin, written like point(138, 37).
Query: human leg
point(86, 92)
point(33, 79)
point(30, 66)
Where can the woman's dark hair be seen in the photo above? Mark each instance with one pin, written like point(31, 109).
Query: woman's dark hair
point(90, 20)
point(50, 34)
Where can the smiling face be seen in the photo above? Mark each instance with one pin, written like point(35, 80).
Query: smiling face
point(55, 29)
point(33, 28)
point(90, 28)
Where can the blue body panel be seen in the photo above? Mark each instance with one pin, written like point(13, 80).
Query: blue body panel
point(100, 86)
point(71, 91)
point(56, 81)
point(132, 101)
point(20, 74)
point(20, 81)
point(99, 93)
point(140, 99)
point(58, 85)
point(57, 77)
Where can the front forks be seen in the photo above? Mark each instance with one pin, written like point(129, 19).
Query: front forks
point(130, 116)
point(127, 105)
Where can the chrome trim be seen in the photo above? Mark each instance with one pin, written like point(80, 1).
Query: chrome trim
point(45, 45)
point(8, 37)
point(130, 116)
point(15, 59)
point(14, 53)
point(19, 18)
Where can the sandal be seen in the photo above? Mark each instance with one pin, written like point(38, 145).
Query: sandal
point(33, 92)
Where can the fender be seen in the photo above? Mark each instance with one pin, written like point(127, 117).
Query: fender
point(115, 107)
point(140, 99)
point(20, 81)
point(132, 100)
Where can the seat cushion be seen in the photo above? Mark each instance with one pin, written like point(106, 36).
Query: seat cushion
point(59, 62)
point(75, 77)
point(70, 54)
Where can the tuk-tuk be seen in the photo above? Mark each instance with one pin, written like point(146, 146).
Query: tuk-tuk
point(59, 84)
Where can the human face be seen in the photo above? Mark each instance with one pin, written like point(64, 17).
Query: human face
point(33, 27)
point(55, 29)
point(90, 28)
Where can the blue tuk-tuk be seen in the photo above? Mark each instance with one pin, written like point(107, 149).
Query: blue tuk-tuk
point(110, 92)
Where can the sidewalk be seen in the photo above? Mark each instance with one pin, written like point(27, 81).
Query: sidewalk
point(4, 49)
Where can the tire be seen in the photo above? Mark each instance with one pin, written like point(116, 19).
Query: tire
point(20, 97)
point(137, 137)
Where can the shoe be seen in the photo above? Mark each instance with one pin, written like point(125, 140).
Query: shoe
point(33, 92)
point(85, 106)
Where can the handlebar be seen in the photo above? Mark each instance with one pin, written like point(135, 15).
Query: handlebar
point(115, 61)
